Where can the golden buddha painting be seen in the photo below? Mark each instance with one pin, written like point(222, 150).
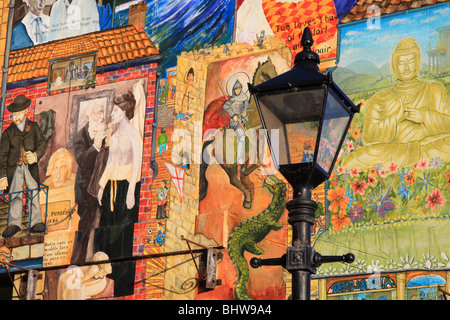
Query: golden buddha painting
point(394, 161)
point(406, 122)
point(393, 169)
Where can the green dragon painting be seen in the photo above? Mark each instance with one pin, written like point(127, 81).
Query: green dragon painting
point(249, 233)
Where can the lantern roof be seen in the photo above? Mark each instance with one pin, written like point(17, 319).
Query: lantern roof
point(298, 76)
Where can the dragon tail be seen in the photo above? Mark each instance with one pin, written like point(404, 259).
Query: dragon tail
point(243, 273)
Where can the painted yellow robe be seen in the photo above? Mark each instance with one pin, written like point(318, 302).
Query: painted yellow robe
point(388, 137)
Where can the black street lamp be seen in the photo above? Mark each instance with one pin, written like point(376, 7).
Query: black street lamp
point(311, 116)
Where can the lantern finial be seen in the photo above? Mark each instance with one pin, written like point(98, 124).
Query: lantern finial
point(307, 54)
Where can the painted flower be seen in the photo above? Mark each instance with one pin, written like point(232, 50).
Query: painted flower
point(340, 220)
point(378, 166)
point(338, 199)
point(320, 272)
point(403, 173)
point(404, 191)
point(393, 167)
point(423, 164)
point(347, 269)
point(334, 182)
point(331, 271)
point(356, 213)
point(375, 267)
point(382, 203)
point(428, 262)
point(434, 199)
point(391, 265)
point(407, 262)
point(436, 163)
point(350, 146)
point(373, 172)
point(349, 195)
point(340, 170)
point(359, 187)
point(371, 181)
point(446, 258)
point(27, 129)
point(354, 172)
point(447, 176)
point(360, 265)
point(356, 133)
point(425, 181)
point(409, 178)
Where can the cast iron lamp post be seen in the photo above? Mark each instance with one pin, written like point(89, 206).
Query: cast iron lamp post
point(310, 116)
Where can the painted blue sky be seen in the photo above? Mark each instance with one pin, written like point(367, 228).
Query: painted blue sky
point(176, 26)
point(358, 42)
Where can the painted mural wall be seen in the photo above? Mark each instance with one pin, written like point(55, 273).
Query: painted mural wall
point(131, 149)
point(388, 197)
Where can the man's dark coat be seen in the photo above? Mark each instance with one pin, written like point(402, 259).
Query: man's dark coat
point(10, 147)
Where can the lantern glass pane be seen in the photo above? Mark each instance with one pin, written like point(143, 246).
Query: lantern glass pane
point(302, 141)
point(334, 128)
point(292, 119)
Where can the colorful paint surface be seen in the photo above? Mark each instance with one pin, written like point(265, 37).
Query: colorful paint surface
point(141, 149)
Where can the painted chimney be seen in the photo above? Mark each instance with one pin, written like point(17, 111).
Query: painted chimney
point(136, 15)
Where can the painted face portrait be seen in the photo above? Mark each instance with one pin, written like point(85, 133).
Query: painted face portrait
point(96, 118)
point(406, 61)
point(60, 167)
point(60, 172)
point(126, 104)
point(36, 5)
point(19, 116)
point(117, 115)
point(407, 67)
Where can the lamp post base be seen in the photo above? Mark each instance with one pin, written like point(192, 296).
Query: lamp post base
point(300, 259)
point(301, 213)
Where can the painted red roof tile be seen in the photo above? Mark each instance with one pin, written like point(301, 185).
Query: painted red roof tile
point(359, 10)
point(113, 45)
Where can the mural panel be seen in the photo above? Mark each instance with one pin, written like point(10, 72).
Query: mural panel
point(141, 160)
point(256, 20)
point(387, 198)
point(92, 168)
point(237, 167)
point(39, 21)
